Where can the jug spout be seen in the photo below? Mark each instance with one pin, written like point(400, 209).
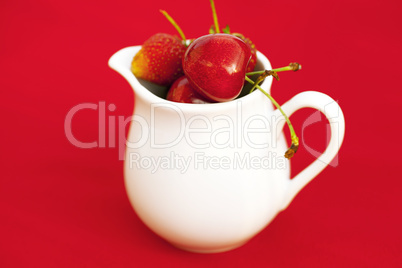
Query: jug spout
point(121, 62)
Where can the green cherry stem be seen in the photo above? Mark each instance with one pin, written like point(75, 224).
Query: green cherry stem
point(175, 25)
point(295, 140)
point(215, 16)
point(294, 66)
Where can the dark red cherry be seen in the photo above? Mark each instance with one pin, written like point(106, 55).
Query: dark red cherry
point(181, 91)
point(253, 60)
point(216, 65)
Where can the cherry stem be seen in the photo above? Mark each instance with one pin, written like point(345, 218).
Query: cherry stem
point(176, 26)
point(295, 140)
point(215, 16)
point(294, 66)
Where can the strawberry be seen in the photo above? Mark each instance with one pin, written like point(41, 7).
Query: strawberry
point(160, 59)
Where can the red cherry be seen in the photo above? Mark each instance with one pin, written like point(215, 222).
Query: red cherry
point(253, 60)
point(216, 64)
point(181, 91)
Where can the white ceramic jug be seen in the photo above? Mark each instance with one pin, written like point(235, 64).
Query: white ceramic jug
point(209, 177)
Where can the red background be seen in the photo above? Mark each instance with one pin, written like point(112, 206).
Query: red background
point(63, 206)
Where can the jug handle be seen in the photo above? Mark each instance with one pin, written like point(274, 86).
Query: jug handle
point(334, 114)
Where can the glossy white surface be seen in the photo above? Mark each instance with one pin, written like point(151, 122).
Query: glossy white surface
point(208, 177)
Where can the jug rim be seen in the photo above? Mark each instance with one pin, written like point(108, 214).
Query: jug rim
point(121, 63)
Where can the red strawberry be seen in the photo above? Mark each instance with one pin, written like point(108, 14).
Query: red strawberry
point(160, 59)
